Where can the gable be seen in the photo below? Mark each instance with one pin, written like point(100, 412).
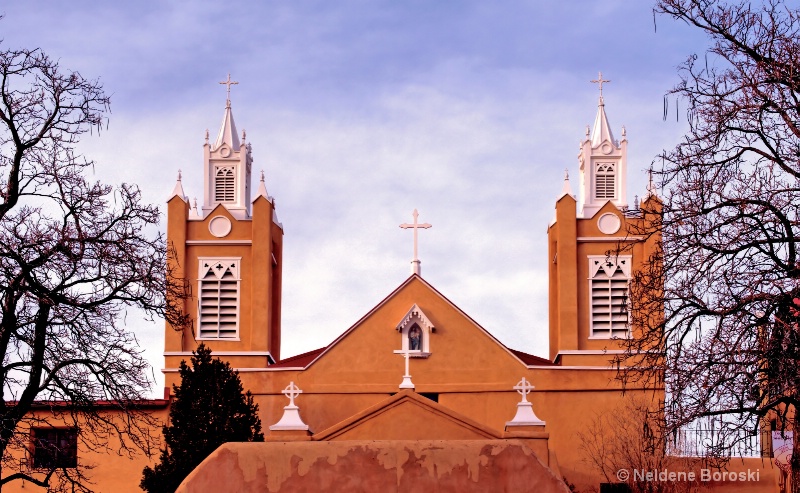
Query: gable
point(407, 416)
point(461, 351)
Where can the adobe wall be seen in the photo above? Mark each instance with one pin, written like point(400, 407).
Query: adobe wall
point(112, 468)
point(386, 466)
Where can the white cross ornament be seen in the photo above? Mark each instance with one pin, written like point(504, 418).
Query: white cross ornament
point(524, 388)
point(406, 383)
point(229, 83)
point(291, 391)
point(599, 81)
point(416, 226)
point(525, 415)
point(291, 419)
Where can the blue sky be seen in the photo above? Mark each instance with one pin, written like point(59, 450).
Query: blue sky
point(361, 111)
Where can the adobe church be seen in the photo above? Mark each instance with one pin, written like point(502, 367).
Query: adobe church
point(416, 395)
point(416, 367)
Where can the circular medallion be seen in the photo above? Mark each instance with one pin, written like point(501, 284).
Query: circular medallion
point(606, 148)
point(219, 226)
point(225, 151)
point(609, 223)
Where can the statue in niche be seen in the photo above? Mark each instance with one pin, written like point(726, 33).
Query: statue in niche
point(414, 338)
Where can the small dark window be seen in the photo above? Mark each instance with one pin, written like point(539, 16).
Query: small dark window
point(55, 448)
point(430, 395)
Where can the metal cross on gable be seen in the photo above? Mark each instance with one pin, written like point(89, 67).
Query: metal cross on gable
point(524, 387)
point(229, 83)
point(599, 81)
point(291, 391)
point(415, 262)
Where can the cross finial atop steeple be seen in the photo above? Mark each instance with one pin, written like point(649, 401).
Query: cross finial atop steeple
point(230, 83)
point(599, 81)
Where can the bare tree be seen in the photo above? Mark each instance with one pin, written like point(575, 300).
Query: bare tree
point(714, 301)
point(625, 445)
point(74, 255)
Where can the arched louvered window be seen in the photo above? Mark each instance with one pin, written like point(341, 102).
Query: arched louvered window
point(218, 307)
point(224, 184)
point(609, 296)
point(605, 182)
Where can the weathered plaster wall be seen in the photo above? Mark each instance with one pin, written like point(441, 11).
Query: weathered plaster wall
point(386, 466)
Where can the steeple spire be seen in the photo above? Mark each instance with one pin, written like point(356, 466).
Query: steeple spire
point(567, 190)
point(178, 190)
point(262, 188)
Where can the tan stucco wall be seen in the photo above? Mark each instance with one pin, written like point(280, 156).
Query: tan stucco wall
point(373, 466)
point(112, 468)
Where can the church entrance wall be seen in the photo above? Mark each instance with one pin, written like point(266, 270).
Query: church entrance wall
point(389, 466)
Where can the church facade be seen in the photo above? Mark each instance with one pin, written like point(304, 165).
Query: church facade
point(416, 393)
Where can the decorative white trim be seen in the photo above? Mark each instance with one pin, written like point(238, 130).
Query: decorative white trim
point(221, 353)
point(605, 173)
point(206, 267)
point(611, 338)
point(608, 223)
point(220, 226)
point(415, 317)
point(577, 367)
point(406, 383)
point(607, 239)
point(594, 351)
point(530, 367)
point(291, 419)
point(525, 415)
point(606, 292)
point(415, 312)
point(219, 242)
point(609, 264)
point(178, 190)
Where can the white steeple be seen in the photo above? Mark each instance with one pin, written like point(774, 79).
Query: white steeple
point(262, 189)
point(566, 189)
point(227, 164)
point(603, 164)
point(178, 190)
point(601, 131)
point(227, 131)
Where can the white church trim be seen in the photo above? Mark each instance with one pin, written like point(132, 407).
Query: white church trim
point(415, 322)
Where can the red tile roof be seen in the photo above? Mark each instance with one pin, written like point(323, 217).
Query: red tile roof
point(530, 359)
point(300, 360)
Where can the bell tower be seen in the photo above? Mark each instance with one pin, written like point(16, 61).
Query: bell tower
point(603, 164)
point(229, 253)
point(594, 250)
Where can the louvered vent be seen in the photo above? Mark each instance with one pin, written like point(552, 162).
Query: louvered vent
point(219, 300)
point(224, 184)
point(605, 182)
point(610, 304)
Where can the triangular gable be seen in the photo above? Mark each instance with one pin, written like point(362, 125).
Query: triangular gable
point(218, 209)
point(407, 416)
point(390, 296)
